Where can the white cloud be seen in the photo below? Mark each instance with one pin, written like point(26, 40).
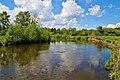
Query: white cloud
point(87, 13)
point(37, 7)
point(67, 18)
point(14, 12)
point(72, 22)
point(113, 25)
point(118, 25)
point(61, 22)
point(110, 6)
point(3, 8)
point(43, 9)
point(71, 9)
point(96, 11)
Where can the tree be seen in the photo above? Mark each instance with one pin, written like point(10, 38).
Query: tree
point(23, 18)
point(100, 30)
point(4, 20)
point(14, 34)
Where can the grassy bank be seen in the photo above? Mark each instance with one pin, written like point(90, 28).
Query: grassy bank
point(32, 34)
point(112, 42)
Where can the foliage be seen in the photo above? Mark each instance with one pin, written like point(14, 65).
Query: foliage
point(15, 34)
point(107, 64)
point(4, 20)
point(25, 30)
point(3, 32)
point(23, 18)
point(30, 34)
point(100, 31)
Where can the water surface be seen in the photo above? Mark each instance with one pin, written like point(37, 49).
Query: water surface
point(54, 61)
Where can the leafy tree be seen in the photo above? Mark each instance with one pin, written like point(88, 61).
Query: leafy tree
point(19, 34)
point(31, 34)
point(23, 18)
point(15, 34)
point(4, 20)
point(100, 30)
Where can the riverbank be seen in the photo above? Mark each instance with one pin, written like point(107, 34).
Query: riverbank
point(112, 42)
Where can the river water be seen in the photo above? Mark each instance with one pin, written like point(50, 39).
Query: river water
point(54, 61)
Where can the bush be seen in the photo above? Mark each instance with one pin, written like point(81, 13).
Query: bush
point(43, 35)
point(15, 35)
point(30, 34)
point(3, 32)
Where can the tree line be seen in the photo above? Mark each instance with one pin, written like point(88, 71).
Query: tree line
point(99, 31)
point(72, 32)
point(24, 29)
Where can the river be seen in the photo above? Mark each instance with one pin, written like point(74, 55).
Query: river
point(54, 61)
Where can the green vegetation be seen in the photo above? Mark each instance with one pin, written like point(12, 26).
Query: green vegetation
point(22, 31)
point(23, 18)
point(100, 31)
point(29, 34)
point(25, 30)
point(4, 20)
point(106, 36)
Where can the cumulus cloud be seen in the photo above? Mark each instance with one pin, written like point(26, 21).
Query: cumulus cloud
point(71, 9)
point(61, 22)
point(95, 11)
point(3, 8)
point(43, 10)
point(113, 25)
point(67, 18)
point(12, 13)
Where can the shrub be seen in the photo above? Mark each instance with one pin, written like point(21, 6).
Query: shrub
point(30, 34)
point(15, 34)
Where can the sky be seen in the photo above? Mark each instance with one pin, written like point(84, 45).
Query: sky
point(79, 14)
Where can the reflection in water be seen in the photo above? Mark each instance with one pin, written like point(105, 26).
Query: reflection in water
point(57, 61)
point(21, 55)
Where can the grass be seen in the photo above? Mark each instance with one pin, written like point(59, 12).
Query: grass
point(114, 65)
point(115, 39)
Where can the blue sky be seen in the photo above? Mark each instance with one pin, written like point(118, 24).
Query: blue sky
point(106, 11)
